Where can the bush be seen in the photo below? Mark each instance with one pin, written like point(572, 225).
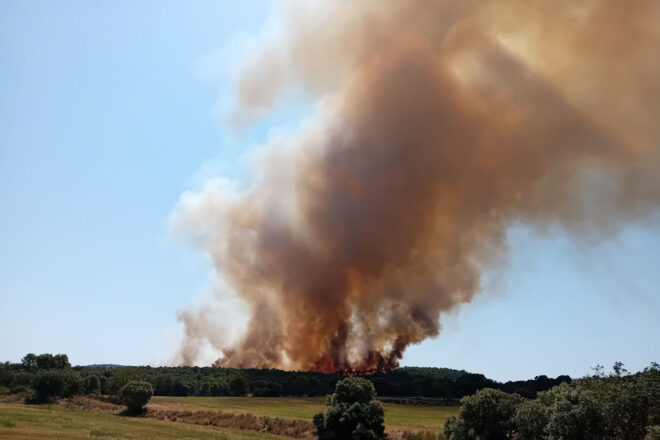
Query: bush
point(353, 413)
point(21, 389)
point(21, 381)
point(135, 395)
point(488, 414)
point(92, 384)
point(531, 419)
point(602, 407)
point(47, 385)
point(74, 384)
point(575, 414)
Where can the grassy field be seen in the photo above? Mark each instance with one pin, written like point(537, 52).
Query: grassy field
point(408, 417)
point(52, 422)
point(18, 421)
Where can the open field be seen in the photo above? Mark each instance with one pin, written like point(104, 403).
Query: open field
point(409, 417)
point(19, 421)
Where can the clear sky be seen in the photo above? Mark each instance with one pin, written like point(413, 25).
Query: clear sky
point(109, 110)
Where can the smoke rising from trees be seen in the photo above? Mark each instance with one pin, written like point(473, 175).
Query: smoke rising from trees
point(440, 124)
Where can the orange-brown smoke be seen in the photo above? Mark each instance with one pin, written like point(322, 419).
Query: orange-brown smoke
point(440, 123)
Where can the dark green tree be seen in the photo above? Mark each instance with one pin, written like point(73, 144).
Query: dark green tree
point(74, 383)
point(488, 414)
point(29, 361)
point(120, 377)
point(135, 395)
point(238, 386)
point(92, 384)
point(353, 413)
point(575, 414)
point(47, 385)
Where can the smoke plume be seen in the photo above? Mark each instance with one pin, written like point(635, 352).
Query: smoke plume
point(440, 124)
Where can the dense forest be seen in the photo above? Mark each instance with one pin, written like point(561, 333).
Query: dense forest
point(438, 383)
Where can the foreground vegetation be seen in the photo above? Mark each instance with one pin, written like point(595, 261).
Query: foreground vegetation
point(18, 421)
point(614, 407)
point(199, 417)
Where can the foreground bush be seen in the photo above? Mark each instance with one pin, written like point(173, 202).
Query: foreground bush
point(353, 413)
point(595, 408)
point(487, 414)
point(135, 395)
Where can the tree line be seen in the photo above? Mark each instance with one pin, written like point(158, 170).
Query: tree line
point(610, 406)
point(440, 383)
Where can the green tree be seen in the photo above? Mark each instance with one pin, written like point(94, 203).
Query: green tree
point(615, 407)
point(135, 395)
point(92, 384)
point(238, 386)
point(74, 383)
point(47, 385)
point(353, 413)
point(575, 414)
point(531, 419)
point(29, 361)
point(120, 377)
point(61, 361)
point(488, 414)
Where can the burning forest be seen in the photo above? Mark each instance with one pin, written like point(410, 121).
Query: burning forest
point(439, 124)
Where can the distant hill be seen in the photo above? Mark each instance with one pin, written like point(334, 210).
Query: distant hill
point(102, 366)
point(439, 373)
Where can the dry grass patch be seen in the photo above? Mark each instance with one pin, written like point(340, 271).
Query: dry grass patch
point(89, 403)
point(244, 421)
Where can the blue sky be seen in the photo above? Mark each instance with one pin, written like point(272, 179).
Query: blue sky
point(109, 111)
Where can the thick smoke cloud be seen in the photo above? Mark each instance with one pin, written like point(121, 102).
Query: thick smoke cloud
point(441, 123)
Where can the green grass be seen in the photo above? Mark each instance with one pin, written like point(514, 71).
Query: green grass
point(410, 417)
point(19, 421)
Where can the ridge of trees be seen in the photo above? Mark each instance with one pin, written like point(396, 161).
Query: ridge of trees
point(410, 382)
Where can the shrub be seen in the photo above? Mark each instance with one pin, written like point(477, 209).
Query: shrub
point(602, 407)
point(488, 414)
point(74, 384)
point(47, 384)
point(135, 395)
point(92, 384)
point(575, 415)
point(21, 381)
point(353, 413)
point(531, 419)
point(21, 389)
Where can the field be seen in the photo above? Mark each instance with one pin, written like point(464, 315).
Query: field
point(411, 417)
point(19, 421)
point(53, 422)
